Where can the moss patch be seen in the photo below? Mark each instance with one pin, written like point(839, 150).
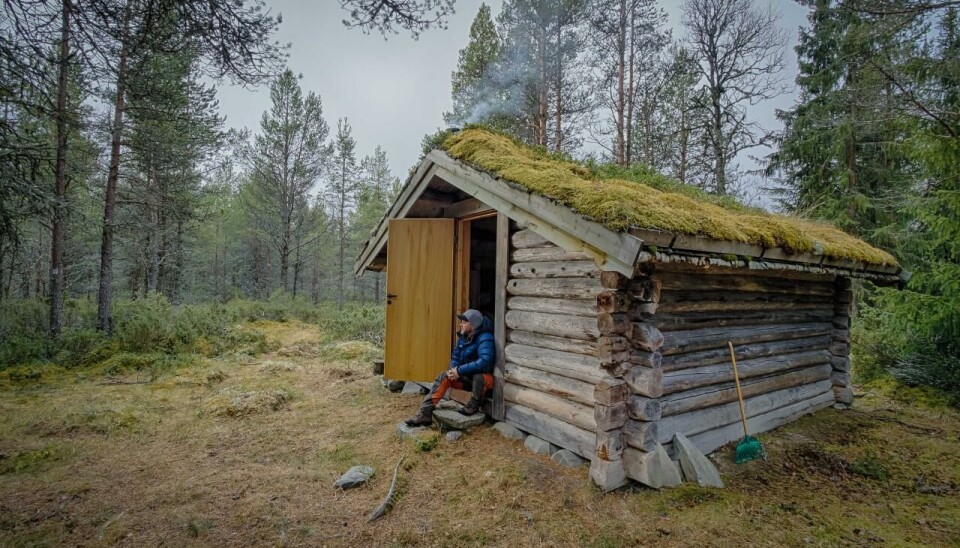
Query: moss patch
point(656, 203)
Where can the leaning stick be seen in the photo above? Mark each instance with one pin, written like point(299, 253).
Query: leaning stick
point(389, 499)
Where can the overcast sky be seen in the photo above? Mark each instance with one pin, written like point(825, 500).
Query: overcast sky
point(394, 91)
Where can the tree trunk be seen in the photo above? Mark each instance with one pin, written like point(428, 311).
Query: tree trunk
point(110, 195)
point(622, 46)
point(58, 232)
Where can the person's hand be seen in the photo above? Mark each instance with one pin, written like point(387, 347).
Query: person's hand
point(452, 374)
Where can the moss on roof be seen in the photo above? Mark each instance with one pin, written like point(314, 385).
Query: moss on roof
point(656, 203)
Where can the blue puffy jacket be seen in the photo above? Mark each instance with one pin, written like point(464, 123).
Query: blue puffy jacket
point(477, 353)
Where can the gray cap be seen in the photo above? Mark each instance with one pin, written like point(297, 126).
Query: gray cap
point(473, 316)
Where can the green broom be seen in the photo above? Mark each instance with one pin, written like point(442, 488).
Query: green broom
point(749, 449)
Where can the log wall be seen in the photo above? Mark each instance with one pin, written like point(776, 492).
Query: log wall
point(790, 332)
point(552, 367)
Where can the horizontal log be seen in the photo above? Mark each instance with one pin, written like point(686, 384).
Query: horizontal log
point(840, 349)
point(565, 364)
point(725, 392)
point(642, 311)
point(640, 434)
point(755, 284)
point(738, 307)
point(699, 320)
point(841, 335)
point(613, 324)
point(644, 409)
point(709, 441)
point(840, 364)
point(563, 409)
point(646, 359)
point(843, 394)
point(610, 445)
point(844, 296)
point(676, 301)
point(613, 349)
point(574, 327)
point(550, 342)
point(611, 391)
point(678, 342)
point(840, 378)
point(610, 417)
point(527, 238)
point(555, 269)
point(686, 379)
point(645, 381)
point(540, 254)
point(841, 321)
point(616, 369)
point(702, 420)
point(613, 280)
point(557, 288)
point(555, 431)
point(646, 290)
point(575, 307)
point(550, 383)
point(612, 301)
point(645, 336)
point(667, 269)
point(745, 352)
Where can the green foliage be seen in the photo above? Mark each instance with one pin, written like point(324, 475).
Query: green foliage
point(356, 322)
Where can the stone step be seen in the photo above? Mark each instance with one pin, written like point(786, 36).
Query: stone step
point(453, 420)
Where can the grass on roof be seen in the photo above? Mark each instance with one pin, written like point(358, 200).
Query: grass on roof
point(650, 200)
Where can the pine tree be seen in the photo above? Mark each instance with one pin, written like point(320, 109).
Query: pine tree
point(375, 195)
point(342, 192)
point(286, 160)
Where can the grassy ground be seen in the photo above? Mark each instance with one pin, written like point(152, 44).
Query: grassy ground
point(244, 451)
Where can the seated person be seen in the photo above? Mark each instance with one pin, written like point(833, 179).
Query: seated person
point(471, 368)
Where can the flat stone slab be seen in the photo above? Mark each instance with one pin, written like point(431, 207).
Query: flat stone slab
point(539, 446)
point(411, 432)
point(354, 477)
point(509, 431)
point(567, 458)
point(455, 421)
point(454, 436)
point(413, 388)
point(696, 467)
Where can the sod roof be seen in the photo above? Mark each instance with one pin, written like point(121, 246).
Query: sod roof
point(656, 203)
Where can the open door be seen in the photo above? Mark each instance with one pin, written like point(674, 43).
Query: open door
point(419, 298)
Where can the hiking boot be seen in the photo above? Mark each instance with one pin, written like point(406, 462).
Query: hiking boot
point(424, 417)
point(471, 408)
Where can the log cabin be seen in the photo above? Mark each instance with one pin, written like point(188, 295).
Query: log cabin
point(613, 300)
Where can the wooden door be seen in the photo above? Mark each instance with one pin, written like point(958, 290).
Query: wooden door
point(419, 298)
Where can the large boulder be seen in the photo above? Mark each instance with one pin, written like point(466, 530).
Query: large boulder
point(509, 431)
point(565, 457)
point(696, 467)
point(539, 446)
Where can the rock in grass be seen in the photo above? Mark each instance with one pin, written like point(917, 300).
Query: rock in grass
point(455, 421)
point(695, 465)
point(539, 446)
point(454, 436)
point(413, 388)
point(410, 432)
point(354, 477)
point(509, 431)
point(394, 386)
point(655, 469)
point(567, 458)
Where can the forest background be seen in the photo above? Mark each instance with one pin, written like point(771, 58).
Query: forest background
point(132, 222)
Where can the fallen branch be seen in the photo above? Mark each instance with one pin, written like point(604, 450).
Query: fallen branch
point(389, 499)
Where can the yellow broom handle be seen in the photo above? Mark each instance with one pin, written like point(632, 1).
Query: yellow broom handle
point(736, 380)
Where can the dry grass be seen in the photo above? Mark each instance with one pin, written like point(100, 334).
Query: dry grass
point(620, 204)
point(144, 464)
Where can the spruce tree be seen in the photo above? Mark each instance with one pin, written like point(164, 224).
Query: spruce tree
point(470, 82)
